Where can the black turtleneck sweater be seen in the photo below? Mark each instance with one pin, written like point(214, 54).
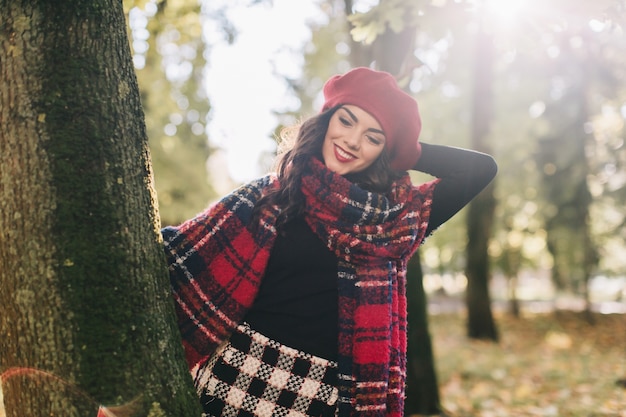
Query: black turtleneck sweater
point(297, 301)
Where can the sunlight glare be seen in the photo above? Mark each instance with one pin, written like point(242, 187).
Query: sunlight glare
point(597, 25)
point(362, 6)
point(504, 12)
point(505, 9)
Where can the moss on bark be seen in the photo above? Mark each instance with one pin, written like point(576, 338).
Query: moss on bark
point(102, 301)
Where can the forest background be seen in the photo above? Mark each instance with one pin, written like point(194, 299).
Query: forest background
point(556, 126)
point(540, 85)
point(553, 93)
point(555, 99)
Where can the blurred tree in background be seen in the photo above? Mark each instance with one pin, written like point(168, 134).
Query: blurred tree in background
point(479, 219)
point(583, 79)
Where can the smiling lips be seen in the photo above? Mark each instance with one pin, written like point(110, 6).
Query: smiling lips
point(343, 156)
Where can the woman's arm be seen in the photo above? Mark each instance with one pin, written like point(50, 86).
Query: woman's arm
point(463, 173)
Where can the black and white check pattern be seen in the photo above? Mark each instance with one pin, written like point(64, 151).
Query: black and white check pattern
point(252, 375)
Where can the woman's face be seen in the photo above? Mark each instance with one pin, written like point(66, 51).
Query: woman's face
point(353, 141)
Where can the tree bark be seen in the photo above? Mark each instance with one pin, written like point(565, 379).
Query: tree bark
point(422, 390)
point(479, 219)
point(87, 318)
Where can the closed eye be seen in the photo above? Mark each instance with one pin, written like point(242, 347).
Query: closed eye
point(345, 121)
point(349, 119)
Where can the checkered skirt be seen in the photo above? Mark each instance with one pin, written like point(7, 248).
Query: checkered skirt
point(252, 375)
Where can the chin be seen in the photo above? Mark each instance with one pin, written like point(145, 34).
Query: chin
point(340, 170)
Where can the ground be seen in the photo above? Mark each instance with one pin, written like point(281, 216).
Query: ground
point(546, 364)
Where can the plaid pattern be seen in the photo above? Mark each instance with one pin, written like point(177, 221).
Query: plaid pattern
point(252, 375)
point(217, 264)
point(373, 236)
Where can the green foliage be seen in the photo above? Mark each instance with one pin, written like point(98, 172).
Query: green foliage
point(368, 26)
point(156, 410)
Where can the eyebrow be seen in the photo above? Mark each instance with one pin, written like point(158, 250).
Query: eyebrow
point(355, 119)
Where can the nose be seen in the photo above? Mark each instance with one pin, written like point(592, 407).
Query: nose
point(353, 141)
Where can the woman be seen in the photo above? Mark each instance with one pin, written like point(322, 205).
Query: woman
point(290, 291)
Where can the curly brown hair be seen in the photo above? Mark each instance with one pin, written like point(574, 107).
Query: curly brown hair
point(300, 143)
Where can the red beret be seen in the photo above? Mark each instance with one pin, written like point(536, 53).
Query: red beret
point(377, 93)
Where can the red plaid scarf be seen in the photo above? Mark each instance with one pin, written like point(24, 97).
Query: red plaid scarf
point(216, 266)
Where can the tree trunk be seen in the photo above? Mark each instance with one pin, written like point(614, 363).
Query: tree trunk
point(480, 323)
point(422, 392)
point(87, 318)
point(514, 308)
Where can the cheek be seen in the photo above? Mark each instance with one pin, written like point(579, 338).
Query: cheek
point(326, 147)
point(373, 152)
point(333, 129)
